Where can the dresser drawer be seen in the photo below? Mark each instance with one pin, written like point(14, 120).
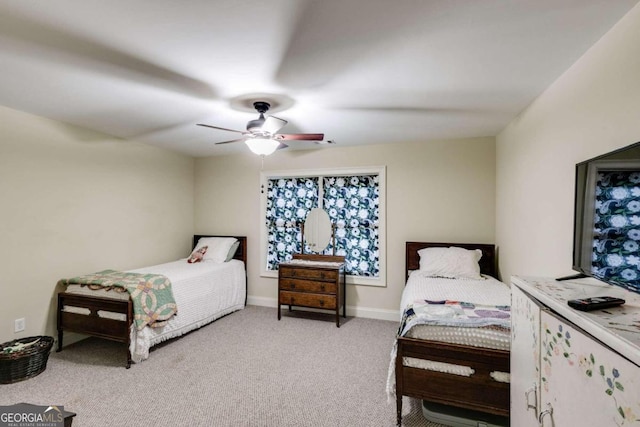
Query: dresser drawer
point(308, 286)
point(309, 273)
point(308, 300)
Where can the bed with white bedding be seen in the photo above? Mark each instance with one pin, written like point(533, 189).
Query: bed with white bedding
point(454, 338)
point(486, 292)
point(203, 292)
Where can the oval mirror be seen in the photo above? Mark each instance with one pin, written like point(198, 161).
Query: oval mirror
point(317, 230)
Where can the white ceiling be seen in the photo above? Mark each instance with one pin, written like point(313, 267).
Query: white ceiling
point(360, 71)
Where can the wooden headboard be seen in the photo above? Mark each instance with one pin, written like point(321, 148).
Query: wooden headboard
point(487, 262)
point(241, 253)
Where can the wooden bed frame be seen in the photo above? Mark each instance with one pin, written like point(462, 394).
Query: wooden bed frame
point(479, 391)
point(114, 330)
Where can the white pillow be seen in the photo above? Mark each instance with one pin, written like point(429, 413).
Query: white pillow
point(452, 262)
point(232, 251)
point(218, 248)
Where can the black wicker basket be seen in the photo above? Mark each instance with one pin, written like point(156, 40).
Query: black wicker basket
point(26, 363)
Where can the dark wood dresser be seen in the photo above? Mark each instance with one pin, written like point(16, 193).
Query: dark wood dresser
point(317, 281)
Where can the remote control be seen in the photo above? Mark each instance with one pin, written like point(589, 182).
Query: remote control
point(595, 303)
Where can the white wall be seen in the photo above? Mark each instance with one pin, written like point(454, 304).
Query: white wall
point(437, 191)
point(590, 110)
point(74, 202)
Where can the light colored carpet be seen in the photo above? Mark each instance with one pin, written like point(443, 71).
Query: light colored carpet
point(246, 369)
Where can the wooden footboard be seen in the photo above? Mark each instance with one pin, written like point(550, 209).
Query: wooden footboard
point(478, 392)
point(92, 324)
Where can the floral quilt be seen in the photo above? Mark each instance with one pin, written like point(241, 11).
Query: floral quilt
point(153, 302)
point(454, 313)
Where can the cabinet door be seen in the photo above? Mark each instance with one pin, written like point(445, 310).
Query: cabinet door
point(584, 382)
point(525, 359)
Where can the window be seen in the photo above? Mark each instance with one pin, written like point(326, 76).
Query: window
point(354, 200)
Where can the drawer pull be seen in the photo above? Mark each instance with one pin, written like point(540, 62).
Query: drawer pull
point(293, 273)
point(293, 285)
point(321, 303)
point(527, 393)
point(292, 300)
point(322, 288)
point(543, 414)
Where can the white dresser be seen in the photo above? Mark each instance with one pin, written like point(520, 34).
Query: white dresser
point(572, 368)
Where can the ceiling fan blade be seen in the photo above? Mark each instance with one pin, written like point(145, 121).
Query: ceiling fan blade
point(299, 136)
point(314, 56)
point(281, 146)
point(219, 128)
point(273, 124)
point(233, 140)
point(88, 54)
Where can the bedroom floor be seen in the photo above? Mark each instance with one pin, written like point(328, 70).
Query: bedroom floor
point(246, 369)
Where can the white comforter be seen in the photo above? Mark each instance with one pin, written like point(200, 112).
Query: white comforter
point(488, 291)
point(203, 292)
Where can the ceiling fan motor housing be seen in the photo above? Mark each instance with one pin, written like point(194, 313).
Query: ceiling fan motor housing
point(262, 107)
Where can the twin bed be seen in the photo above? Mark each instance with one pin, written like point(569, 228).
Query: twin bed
point(447, 361)
point(203, 292)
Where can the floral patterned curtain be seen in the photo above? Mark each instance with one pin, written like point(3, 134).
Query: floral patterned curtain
point(616, 254)
point(289, 200)
point(353, 205)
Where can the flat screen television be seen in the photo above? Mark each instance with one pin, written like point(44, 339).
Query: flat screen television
point(606, 231)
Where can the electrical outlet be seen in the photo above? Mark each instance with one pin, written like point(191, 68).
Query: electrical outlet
point(20, 325)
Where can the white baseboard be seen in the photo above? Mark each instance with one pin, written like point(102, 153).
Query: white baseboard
point(355, 311)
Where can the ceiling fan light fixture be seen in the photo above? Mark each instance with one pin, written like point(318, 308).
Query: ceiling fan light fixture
point(262, 146)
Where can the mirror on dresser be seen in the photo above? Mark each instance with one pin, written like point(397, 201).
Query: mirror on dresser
point(317, 231)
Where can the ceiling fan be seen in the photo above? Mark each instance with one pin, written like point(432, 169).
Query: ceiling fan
point(261, 135)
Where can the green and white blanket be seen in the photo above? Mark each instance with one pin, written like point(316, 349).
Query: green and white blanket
point(153, 302)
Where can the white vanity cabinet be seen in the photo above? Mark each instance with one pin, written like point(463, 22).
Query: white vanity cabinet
point(525, 359)
point(571, 368)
